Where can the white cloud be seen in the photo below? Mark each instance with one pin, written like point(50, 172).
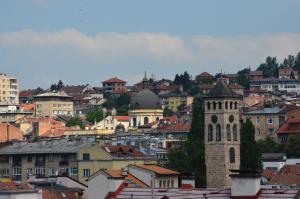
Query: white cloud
point(158, 51)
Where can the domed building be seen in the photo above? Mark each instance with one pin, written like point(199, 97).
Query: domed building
point(145, 108)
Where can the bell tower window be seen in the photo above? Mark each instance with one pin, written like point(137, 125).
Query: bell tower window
point(218, 133)
point(228, 133)
point(234, 130)
point(210, 133)
point(231, 155)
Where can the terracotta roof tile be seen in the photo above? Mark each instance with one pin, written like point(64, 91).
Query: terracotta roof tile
point(291, 126)
point(268, 174)
point(158, 170)
point(288, 175)
point(122, 118)
point(114, 80)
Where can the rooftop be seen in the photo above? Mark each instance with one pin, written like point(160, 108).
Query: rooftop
point(44, 147)
point(221, 90)
point(114, 80)
point(156, 169)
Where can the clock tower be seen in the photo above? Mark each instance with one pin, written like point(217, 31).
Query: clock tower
point(222, 135)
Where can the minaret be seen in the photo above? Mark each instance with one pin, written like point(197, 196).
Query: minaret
point(222, 135)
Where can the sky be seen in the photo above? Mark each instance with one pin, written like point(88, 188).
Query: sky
point(89, 41)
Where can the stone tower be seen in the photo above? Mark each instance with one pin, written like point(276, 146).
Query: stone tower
point(222, 135)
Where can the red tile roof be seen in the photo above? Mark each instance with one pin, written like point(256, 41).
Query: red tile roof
point(175, 128)
point(204, 74)
point(268, 174)
point(235, 86)
point(122, 118)
point(27, 107)
point(123, 151)
point(128, 178)
point(60, 194)
point(13, 186)
point(288, 175)
point(291, 126)
point(114, 80)
point(157, 170)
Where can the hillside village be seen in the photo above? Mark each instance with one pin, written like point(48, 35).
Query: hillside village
point(115, 140)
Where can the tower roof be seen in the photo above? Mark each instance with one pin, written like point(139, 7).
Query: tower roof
point(145, 99)
point(221, 90)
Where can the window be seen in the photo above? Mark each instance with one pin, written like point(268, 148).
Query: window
point(226, 105)
point(146, 120)
point(235, 105)
point(230, 105)
point(4, 172)
point(210, 133)
point(160, 183)
point(86, 156)
point(50, 158)
point(164, 183)
point(17, 171)
point(220, 105)
point(257, 120)
point(172, 183)
point(270, 131)
point(74, 171)
point(40, 171)
point(235, 133)
point(228, 133)
point(29, 171)
point(214, 105)
point(218, 133)
point(231, 155)
point(270, 120)
point(208, 105)
point(29, 158)
point(86, 172)
point(134, 122)
point(50, 172)
point(258, 131)
point(281, 120)
point(168, 183)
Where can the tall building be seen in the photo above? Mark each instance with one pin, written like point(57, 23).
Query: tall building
point(9, 89)
point(222, 139)
point(114, 86)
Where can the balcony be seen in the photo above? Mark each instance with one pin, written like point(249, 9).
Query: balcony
point(17, 163)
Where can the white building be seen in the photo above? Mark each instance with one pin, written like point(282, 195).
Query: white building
point(9, 89)
point(273, 84)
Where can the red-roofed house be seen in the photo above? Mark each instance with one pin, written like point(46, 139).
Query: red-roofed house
point(114, 85)
point(289, 128)
point(288, 175)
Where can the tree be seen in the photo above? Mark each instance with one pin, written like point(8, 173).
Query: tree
point(168, 112)
point(190, 157)
point(270, 67)
point(249, 151)
point(243, 77)
point(96, 114)
point(60, 85)
point(289, 61)
point(293, 146)
point(268, 145)
point(75, 121)
point(297, 63)
point(123, 110)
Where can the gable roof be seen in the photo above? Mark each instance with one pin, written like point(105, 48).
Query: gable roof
point(288, 175)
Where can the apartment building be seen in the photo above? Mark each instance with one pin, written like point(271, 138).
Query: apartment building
point(51, 104)
point(114, 86)
point(9, 89)
point(173, 100)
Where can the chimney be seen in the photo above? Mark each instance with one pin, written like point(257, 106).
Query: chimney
point(245, 183)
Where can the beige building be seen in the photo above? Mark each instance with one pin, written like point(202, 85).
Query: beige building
point(222, 137)
point(9, 89)
point(51, 104)
point(113, 123)
point(266, 121)
point(172, 100)
point(145, 108)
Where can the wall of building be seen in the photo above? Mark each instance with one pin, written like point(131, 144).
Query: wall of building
point(9, 89)
point(52, 108)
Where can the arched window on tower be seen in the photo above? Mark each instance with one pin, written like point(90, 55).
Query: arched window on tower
point(146, 120)
point(214, 105)
point(208, 105)
point(231, 155)
point(210, 133)
point(218, 133)
point(235, 133)
point(231, 105)
point(226, 105)
point(228, 133)
point(220, 105)
point(235, 105)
